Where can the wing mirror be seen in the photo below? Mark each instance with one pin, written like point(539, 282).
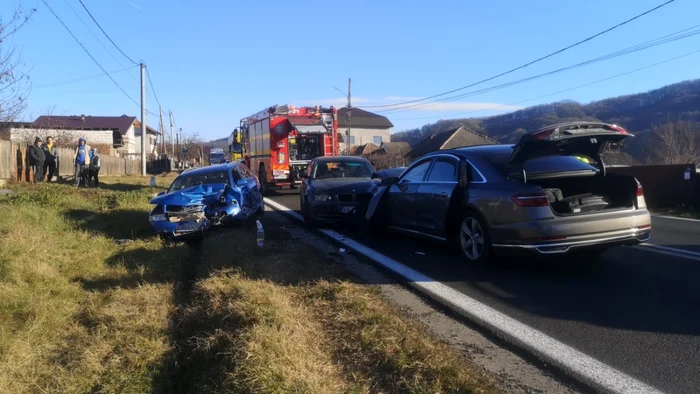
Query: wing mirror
point(392, 180)
point(160, 193)
point(375, 175)
point(303, 175)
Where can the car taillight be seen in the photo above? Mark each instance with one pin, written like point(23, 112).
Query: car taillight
point(640, 190)
point(531, 200)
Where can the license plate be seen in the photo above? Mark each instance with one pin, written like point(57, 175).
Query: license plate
point(347, 209)
point(188, 227)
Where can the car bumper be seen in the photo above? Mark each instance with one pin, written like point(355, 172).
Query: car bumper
point(554, 246)
point(337, 212)
point(170, 229)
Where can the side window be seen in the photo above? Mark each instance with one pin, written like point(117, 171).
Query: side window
point(474, 174)
point(417, 173)
point(236, 175)
point(446, 169)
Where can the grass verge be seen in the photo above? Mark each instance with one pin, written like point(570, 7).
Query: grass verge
point(80, 312)
point(681, 211)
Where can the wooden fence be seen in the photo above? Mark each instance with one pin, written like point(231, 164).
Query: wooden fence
point(13, 163)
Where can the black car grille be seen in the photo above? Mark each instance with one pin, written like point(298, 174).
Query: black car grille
point(183, 208)
point(360, 197)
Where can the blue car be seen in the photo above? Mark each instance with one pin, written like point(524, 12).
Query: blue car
point(202, 198)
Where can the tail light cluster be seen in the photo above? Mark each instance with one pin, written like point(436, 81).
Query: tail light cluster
point(640, 189)
point(531, 200)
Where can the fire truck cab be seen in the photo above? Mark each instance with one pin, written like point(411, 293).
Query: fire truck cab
point(279, 142)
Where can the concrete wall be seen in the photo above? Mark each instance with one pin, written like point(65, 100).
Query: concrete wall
point(63, 137)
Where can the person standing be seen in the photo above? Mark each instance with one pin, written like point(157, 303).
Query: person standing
point(51, 153)
point(94, 171)
point(37, 159)
point(82, 161)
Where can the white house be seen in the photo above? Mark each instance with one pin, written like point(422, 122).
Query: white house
point(121, 133)
point(365, 128)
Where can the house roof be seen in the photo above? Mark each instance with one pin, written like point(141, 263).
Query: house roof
point(396, 148)
point(363, 119)
point(455, 138)
point(360, 150)
point(82, 122)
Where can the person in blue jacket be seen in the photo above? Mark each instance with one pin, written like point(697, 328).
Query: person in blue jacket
point(82, 161)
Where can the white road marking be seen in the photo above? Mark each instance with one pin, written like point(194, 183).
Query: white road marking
point(667, 250)
point(676, 218)
point(585, 368)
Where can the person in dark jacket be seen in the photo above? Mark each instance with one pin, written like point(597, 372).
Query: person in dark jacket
point(82, 161)
point(51, 153)
point(37, 159)
point(94, 168)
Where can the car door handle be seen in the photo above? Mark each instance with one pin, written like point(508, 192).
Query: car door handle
point(441, 195)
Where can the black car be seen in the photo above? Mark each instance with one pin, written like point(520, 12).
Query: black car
point(336, 189)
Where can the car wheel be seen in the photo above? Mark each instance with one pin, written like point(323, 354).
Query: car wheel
point(306, 213)
point(472, 239)
point(263, 181)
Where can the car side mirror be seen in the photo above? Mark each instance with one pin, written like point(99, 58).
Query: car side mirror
point(304, 175)
point(160, 193)
point(375, 175)
point(392, 180)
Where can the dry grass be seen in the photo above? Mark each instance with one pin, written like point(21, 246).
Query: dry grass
point(79, 313)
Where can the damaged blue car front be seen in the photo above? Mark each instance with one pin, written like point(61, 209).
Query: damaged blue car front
point(207, 197)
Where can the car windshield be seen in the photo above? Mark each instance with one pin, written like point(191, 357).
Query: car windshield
point(188, 180)
point(342, 169)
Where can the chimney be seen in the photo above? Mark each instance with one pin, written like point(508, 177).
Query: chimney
point(82, 117)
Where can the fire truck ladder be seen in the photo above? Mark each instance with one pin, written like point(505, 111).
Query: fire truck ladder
point(328, 146)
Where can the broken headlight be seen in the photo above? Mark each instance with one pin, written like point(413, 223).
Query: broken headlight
point(157, 218)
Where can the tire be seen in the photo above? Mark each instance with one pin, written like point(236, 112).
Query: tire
point(263, 181)
point(306, 214)
point(472, 239)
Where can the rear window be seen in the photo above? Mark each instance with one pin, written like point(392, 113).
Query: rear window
point(554, 164)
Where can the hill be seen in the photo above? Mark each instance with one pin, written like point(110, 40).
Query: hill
point(637, 112)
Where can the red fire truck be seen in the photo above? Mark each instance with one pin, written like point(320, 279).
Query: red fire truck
point(279, 142)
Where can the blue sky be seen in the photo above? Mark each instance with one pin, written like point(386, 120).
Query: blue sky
point(213, 62)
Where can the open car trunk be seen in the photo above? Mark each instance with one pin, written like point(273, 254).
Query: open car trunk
point(589, 194)
point(565, 160)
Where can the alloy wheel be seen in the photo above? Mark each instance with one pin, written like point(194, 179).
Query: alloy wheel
point(471, 237)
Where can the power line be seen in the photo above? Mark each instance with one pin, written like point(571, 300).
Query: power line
point(636, 48)
point(560, 91)
point(88, 52)
point(105, 33)
point(148, 74)
point(66, 82)
point(98, 40)
point(529, 63)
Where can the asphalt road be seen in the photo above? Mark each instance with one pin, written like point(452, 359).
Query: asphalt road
point(638, 312)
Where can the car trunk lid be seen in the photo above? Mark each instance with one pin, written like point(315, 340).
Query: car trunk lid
point(588, 139)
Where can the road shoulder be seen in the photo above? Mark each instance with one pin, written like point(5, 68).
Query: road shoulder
point(514, 373)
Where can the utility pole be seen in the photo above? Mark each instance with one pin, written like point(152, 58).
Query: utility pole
point(172, 140)
point(182, 146)
point(347, 133)
point(162, 133)
point(144, 134)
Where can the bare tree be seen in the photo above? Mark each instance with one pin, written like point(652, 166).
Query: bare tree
point(674, 143)
point(14, 82)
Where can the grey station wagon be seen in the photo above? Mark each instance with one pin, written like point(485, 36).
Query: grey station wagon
point(549, 194)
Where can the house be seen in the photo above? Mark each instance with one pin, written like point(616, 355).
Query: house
point(394, 148)
point(455, 138)
point(365, 127)
point(121, 133)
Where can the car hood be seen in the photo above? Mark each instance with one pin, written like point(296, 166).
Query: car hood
point(195, 195)
point(579, 138)
point(343, 185)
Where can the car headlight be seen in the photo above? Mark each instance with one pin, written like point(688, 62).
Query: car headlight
point(157, 218)
point(322, 197)
point(222, 198)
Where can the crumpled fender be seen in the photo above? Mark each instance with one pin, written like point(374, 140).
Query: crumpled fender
point(199, 194)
